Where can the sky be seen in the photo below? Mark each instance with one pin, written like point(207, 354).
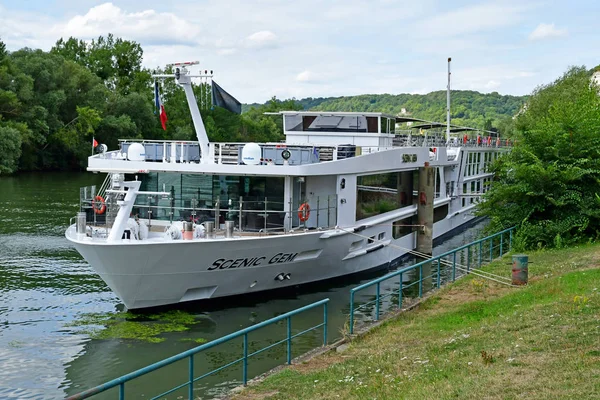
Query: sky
point(263, 48)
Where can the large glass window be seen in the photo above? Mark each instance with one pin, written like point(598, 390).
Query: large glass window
point(381, 193)
point(333, 123)
point(194, 192)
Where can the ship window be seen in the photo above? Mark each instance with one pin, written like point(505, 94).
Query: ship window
point(381, 193)
point(440, 213)
point(293, 122)
point(384, 125)
point(402, 227)
point(371, 239)
point(381, 236)
point(372, 124)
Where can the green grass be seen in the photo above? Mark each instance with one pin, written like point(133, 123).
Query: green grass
point(472, 341)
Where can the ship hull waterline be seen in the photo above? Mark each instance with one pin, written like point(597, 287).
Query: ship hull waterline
point(150, 274)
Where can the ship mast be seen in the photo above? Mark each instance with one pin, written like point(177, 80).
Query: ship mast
point(184, 78)
point(448, 104)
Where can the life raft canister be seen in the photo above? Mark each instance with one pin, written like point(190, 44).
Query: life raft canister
point(303, 212)
point(99, 205)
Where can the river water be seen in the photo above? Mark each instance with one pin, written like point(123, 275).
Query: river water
point(47, 290)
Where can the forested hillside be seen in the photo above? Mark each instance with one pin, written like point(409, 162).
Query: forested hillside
point(468, 108)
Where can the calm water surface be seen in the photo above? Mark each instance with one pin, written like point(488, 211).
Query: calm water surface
point(45, 286)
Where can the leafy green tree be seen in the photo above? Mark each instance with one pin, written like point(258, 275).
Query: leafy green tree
point(10, 149)
point(3, 52)
point(116, 61)
point(549, 184)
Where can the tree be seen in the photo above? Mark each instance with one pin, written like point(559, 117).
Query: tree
point(10, 149)
point(3, 52)
point(549, 184)
point(116, 61)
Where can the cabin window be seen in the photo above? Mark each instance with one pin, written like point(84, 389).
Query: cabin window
point(381, 193)
point(384, 124)
point(439, 213)
point(372, 124)
point(403, 227)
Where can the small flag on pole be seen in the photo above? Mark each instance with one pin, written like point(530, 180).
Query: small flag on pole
point(94, 143)
point(160, 107)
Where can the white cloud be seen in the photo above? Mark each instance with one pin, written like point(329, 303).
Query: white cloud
point(226, 51)
point(481, 17)
point(261, 40)
point(148, 26)
point(305, 76)
point(545, 31)
point(492, 84)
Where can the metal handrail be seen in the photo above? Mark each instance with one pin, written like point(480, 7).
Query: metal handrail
point(437, 259)
point(189, 354)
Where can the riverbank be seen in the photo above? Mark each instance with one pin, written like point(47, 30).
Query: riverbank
point(472, 339)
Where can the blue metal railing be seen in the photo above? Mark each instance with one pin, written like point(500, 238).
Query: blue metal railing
point(120, 382)
point(474, 254)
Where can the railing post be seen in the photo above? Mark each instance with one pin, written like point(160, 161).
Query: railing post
point(510, 240)
point(241, 213)
point(318, 210)
point(468, 259)
point(501, 242)
point(191, 371)
point(266, 214)
point(377, 303)
point(289, 340)
point(400, 293)
point(325, 324)
point(480, 253)
point(351, 312)
point(453, 266)
point(439, 280)
point(421, 280)
point(122, 391)
point(491, 249)
point(245, 361)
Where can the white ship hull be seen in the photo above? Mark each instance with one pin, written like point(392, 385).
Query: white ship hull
point(146, 274)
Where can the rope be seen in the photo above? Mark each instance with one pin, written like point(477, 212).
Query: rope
point(491, 276)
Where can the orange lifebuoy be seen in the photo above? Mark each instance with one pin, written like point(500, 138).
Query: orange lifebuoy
point(99, 205)
point(303, 212)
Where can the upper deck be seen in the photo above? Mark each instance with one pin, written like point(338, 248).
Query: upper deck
point(318, 143)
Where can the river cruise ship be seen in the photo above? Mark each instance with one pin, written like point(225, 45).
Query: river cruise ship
point(178, 221)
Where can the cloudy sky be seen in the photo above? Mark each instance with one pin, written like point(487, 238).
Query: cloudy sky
point(262, 48)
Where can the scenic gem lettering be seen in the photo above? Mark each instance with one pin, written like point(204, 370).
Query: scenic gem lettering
point(279, 258)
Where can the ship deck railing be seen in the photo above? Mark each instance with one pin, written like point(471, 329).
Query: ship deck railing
point(229, 153)
point(251, 217)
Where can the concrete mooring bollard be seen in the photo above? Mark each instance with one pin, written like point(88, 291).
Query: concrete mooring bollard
point(520, 271)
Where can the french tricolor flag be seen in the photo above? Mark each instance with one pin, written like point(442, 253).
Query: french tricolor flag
point(160, 107)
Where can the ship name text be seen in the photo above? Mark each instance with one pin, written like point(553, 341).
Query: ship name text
point(279, 258)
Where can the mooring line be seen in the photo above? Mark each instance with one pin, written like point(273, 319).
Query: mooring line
point(491, 277)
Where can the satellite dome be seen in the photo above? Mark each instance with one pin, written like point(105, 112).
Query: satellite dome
point(251, 154)
point(136, 152)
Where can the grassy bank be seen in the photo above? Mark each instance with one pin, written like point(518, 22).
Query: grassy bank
point(474, 339)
